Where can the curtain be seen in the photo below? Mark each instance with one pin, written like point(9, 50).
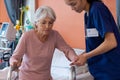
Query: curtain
point(13, 9)
point(118, 13)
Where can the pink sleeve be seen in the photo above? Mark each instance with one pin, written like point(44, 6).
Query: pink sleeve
point(20, 49)
point(63, 46)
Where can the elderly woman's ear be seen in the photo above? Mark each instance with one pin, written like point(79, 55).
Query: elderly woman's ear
point(35, 27)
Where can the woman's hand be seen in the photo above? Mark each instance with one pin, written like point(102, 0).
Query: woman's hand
point(15, 65)
point(82, 58)
point(74, 59)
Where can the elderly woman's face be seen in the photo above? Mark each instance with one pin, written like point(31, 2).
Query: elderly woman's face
point(45, 25)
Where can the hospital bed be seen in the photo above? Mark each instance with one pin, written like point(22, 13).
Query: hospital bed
point(60, 69)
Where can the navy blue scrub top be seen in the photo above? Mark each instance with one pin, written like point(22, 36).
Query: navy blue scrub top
point(98, 22)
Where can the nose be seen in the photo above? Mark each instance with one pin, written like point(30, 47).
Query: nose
point(47, 26)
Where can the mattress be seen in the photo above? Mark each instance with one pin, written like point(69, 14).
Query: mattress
point(60, 73)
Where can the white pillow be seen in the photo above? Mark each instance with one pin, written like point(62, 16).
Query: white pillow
point(78, 51)
point(59, 59)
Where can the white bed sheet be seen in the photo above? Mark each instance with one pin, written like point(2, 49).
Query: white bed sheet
point(60, 73)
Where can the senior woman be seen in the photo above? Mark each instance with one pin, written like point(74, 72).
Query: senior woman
point(36, 47)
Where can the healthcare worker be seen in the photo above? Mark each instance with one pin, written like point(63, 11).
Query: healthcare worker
point(102, 39)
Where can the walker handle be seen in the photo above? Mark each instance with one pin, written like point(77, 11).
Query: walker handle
point(10, 73)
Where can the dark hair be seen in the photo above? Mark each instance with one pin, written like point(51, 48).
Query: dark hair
point(91, 1)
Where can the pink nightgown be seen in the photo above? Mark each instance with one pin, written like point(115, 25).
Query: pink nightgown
point(37, 56)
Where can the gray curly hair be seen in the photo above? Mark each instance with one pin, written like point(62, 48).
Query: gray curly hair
point(43, 12)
